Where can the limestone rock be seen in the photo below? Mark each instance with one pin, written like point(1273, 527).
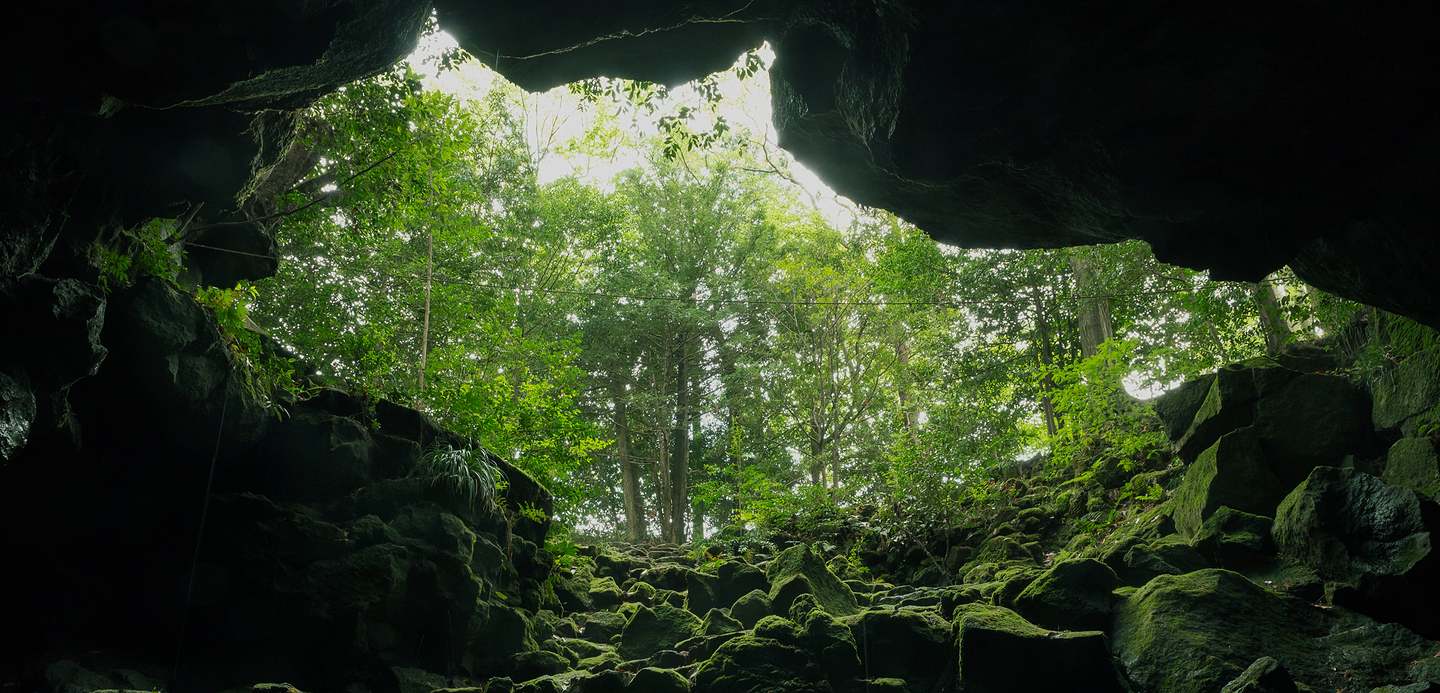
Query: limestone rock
point(653, 680)
point(1233, 472)
point(750, 608)
point(1266, 675)
point(1233, 538)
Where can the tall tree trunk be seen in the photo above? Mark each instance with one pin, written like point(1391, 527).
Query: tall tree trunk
point(680, 458)
point(1272, 317)
point(1096, 324)
point(425, 328)
point(1047, 359)
point(662, 486)
point(909, 416)
point(629, 475)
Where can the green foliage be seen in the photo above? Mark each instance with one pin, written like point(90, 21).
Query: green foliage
point(467, 472)
point(1102, 424)
point(144, 251)
point(267, 375)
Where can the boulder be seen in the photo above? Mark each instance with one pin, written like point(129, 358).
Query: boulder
point(604, 593)
point(1168, 555)
point(1233, 472)
point(1000, 652)
point(653, 680)
point(1201, 630)
point(1266, 675)
point(1177, 408)
point(601, 626)
point(1405, 393)
point(799, 570)
point(732, 580)
point(1309, 420)
point(903, 643)
point(750, 608)
point(1228, 405)
point(650, 630)
point(1373, 539)
point(717, 622)
point(1414, 463)
point(1233, 538)
point(17, 413)
point(1070, 595)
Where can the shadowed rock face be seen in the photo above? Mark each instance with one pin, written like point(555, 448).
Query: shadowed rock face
point(1231, 142)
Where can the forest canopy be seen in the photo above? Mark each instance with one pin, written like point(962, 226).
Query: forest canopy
point(690, 335)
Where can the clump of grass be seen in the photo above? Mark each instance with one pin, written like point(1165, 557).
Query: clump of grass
point(465, 471)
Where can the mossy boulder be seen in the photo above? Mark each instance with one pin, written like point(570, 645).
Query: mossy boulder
point(1407, 392)
point(730, 581)
point(1169, 555)
point(799, 570)
point(534, 664)
point(909, 644)
point(1177, 408)
point(772, 660)
point(1373, 539)
point(750, 608)
point(1311, 420)
point(717, 622)
point(1228, 405)
point(1265, 675)
point(1414, 463)
point(1199, 631)
point(1070, 595)
point(650, 630)
point(1232, 538)
point(655, 680)
point(601, 626)
point(604, 593)
point(998, 651)
point(1233, 472)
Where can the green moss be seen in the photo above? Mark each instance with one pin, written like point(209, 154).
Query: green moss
point(650, 630)
point(800, 562)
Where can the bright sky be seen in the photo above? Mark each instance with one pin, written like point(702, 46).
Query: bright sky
point(556, 117)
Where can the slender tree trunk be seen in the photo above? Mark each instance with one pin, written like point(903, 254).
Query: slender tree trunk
point(1272, 318)
point(425, 328)
point(1096, 325)
point(680, 459)
point(629, 476)
point(662, 486)
point(909, 417)
point(1047, 359)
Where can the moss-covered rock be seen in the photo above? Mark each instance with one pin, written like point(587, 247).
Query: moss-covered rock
point(1177, 408)
point(1070, 595)
point(655, 680)
point(1310, 420)
point(763, 663)
point(1228, 405)
point(1198, 631)
point(910, 644)
point(799, 570)
point(750, 608)
point(1265, 675)
point(1001, 652)
point(1168, 555)
point(604, 593)
point(730, 581)
point(717, 622)
point(1414, 463)
point(1232, 538)
point(1372, 538)
point(1233, 472)
point(650, 630)
point(1407, 392)
point(601, 626)
point(536, 663)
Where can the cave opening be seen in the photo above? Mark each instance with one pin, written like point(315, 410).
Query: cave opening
point(819, 347)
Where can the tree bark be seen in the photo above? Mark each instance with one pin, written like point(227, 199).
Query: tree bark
point(1047, 359)
point(425, 328)
point(680, 458)
point(1272, 318)
point(629, 475)
point(1096, 324)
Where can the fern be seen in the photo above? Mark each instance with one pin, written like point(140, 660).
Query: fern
point(466, 472)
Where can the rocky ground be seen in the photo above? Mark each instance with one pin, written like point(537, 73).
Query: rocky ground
point(1290, 550)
